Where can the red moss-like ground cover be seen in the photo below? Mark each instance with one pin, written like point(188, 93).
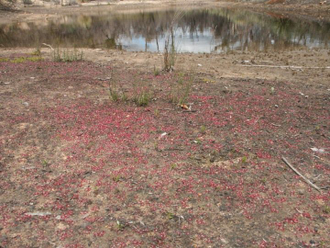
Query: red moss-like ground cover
point(78, 170)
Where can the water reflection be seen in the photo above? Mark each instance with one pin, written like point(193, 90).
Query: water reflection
point(216, 30)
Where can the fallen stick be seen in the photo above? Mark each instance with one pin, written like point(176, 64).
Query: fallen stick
point(299, 174)
point(288, 66)
point(275, 125)
point(191, 111)
point(48, 46)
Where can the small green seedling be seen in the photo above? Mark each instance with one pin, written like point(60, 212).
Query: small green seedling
point(173, 166)
point(120, 226)
point(45, 163)
point(272, 90)
point(117, 178)
point(326, 210)
point(203, 129)
point(170, 215)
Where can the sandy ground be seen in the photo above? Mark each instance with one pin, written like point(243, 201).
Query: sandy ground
point(305, 66)
point(297, 65)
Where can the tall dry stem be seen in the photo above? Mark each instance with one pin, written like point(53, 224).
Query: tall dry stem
point(170, 51)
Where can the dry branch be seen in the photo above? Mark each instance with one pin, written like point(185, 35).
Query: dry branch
point(299, 174)
point(289, 67)
point(48, 46)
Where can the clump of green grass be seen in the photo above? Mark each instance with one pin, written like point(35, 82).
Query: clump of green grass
point(180, 91)
point(142, 99)
point(34, 59)
point(4, 60)
point(19, 60)
point(67, 55)
point(22, 59)
point(156, 71)
point(142, 94)
point(116, 93)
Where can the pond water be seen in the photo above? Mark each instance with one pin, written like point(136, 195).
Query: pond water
point(197, 31)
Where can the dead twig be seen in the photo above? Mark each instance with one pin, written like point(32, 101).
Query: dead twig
point(275, 125)
point(189, 111)
point(47, 45)
point(299, 174)
point(288, 66)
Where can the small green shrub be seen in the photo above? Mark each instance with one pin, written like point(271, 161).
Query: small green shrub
point(35, 58)
point(114, 95)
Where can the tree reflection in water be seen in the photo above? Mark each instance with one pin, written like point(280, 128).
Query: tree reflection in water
point(216, 30)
